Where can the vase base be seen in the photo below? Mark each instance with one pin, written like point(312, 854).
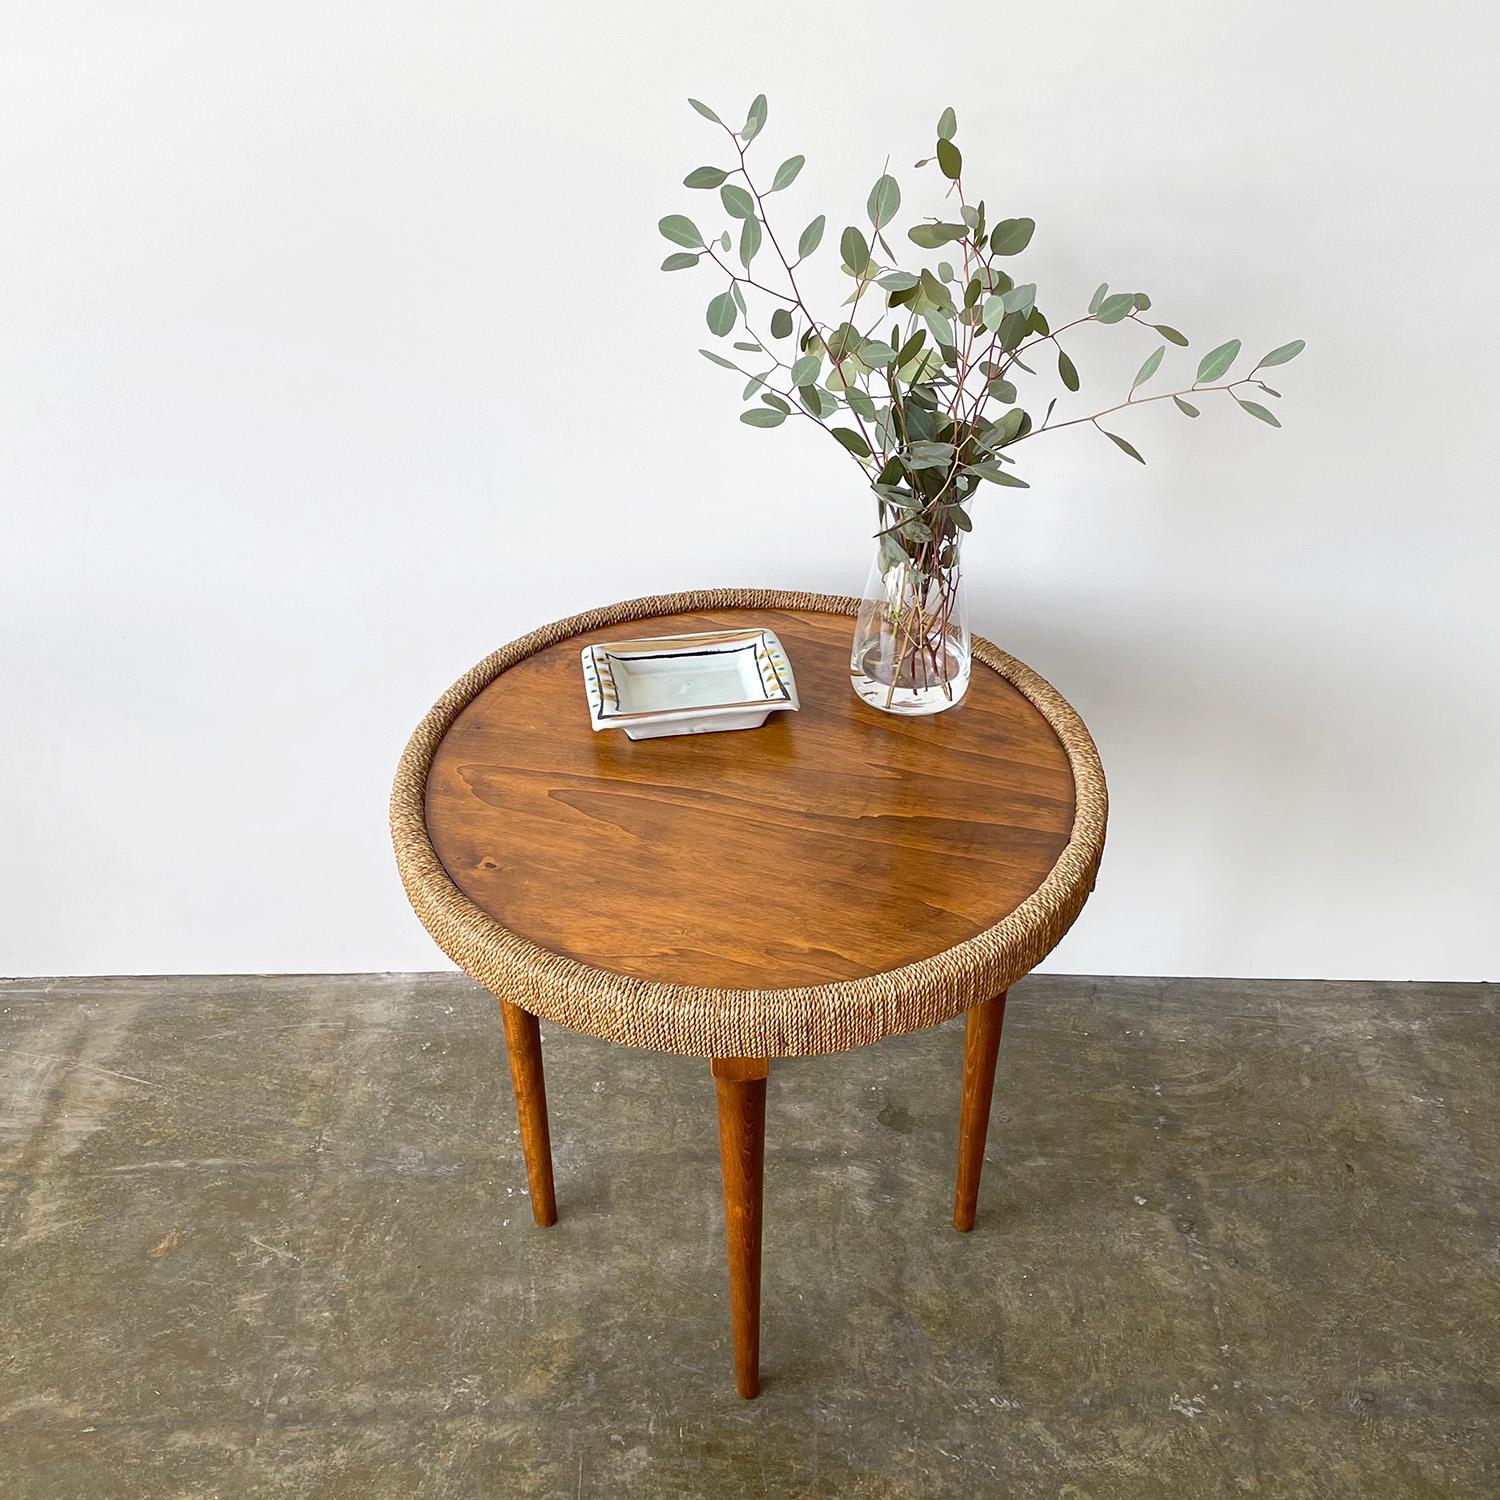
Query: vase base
point(908, 701)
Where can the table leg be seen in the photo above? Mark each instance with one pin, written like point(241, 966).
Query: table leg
point(523, 1041)
point(981, 1048)
point(741, 1086)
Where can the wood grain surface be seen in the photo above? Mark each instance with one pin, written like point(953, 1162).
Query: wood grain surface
point(829, 844)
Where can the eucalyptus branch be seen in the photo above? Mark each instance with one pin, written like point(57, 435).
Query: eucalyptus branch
point(791, 276)
point(1191, 390)
point(939, 436)
point(750, 281)
point(1048, 337)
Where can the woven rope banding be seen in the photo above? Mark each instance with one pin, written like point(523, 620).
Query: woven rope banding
point(726, 1022)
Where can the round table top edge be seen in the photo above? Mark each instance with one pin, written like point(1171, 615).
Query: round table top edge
point(710, 1021)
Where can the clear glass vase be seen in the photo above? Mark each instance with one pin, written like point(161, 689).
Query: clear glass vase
point(911, 645)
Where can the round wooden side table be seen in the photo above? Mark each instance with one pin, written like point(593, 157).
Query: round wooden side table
point(834, 877)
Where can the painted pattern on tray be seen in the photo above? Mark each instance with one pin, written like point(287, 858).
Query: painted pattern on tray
point(602, 688)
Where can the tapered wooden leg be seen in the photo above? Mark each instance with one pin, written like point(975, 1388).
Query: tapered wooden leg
point(523, 1041)
point(741, 1086)
point(981, 1048)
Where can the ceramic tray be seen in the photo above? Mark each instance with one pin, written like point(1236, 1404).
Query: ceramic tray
point(687, 684)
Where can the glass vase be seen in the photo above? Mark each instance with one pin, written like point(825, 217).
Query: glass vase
point(911, 643)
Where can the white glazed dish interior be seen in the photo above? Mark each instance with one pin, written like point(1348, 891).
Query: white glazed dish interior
point(687, 684)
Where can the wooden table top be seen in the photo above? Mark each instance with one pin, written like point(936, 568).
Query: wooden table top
point(830, 844)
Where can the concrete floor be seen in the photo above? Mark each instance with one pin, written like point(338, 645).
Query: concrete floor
point(270, 1237)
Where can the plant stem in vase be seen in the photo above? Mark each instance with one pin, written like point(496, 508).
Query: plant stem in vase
point(911, 642)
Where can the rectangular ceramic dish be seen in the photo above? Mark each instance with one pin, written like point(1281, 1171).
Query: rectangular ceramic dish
point(687, 684)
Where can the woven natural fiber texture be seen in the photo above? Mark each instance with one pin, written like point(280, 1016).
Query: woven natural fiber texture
point(726, 1022)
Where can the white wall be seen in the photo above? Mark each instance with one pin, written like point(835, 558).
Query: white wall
point(333, 353)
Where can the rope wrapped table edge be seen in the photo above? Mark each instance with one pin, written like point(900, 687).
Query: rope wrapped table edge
point(710, 1022)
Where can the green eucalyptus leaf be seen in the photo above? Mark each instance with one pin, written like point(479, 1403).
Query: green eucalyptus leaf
point(1123, 446)
point(718, 359)
point(705, 111)
point(781, 323)
point(776, 403)
point(940, 328)
point(997, 475)
point(1067, 370)
point(1001, 389)
point(1171, 335)
point(860, 404)
point(812, 237)
point(947, 125)
point(704, 177)
point(1185, 407)
point(748, 347)
point(852, 441)
point(1114, 309)
point(724, 239)
point(855, 250)
point(1283, 354)
point(922, 366)
point(753, 385)
point(884, 201)
point(950, 160)
point(681, 231)
point(898, 281)
point(721, 313)
point(1097, 300)
point(993, 312)
point(936, 293)
point(1142, 302)
point(755, 121)
point(875, 354)
point(1014, 424)
point(1217, 361)
point(739, 298)
point(932, 236)
point(843, 341)
point(737, 202)
point(926, 454)
point(786, 173)
point(1147, 369)
point(679, 260)
point(763, 416)
point(749, 241)
point(1257, 410)
point(1012, 236)
point(805, 370)
point(1019, 298)
point(1011, 331)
